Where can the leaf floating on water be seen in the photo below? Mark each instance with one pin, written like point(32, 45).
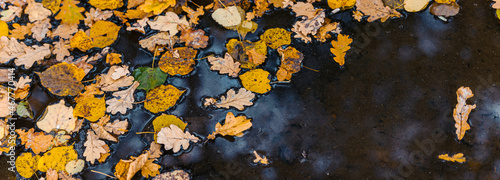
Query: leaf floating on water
point(256, 80)
point(445, 10)
point(70, 13)
point(57, 117)
point(123, 100)
point(37, 141)
point(259, 159)
point(174, 138)
point(149, 78)
point(26, 164)
point(162, 98)
point(462, 110)
point(415, 5)
point(455, 158)
point(233, 126)
point(224, 65)
point(276, 37)
point(176, 174)
point(180, 62)
point(93, 147)
point(57, 158)
point(291, 60)
point(232, 99)
point(91, 108)
point(376, 10)
point(165, 120)
point(229, 17)
point(340, 47)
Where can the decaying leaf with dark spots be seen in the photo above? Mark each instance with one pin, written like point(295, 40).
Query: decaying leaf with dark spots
point(180, 62)
point(162, 98)
point(291, 60)
point(63, 79)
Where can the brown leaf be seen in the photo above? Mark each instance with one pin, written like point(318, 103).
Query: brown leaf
point(150, 169)
point(95, 15)
point(255, 57)
point(117, 127)
point(224, 65)
point(61, 49)
point(291, 60)
point(176, 174)
point(20, 31)
point(33, 54)
point(194, 38)
point(154, 150)
point(22, 87)
point(308, 26)
point(445, 10)
point(11, 13)
point(232, 99)
point(123, 100)
point(136, 165)
point(93, 147)
point(169, 23)
point(160, 39)
point(37, 141)
point(376, 10)
point(109, 83)
point(322, 33)
point(36, 11)
point(193, 15)
point(305, 9)
point(10, 48)
point(139, 25)
point(65, 31)
point(102, 133)
point(462, 110)
point(51, 174)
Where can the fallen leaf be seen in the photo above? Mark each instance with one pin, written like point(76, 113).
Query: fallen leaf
point(63, 79)
point(4, 130)
point(154, 150)
point(93, 147)
point(10, 48)
point(181, 65)
point(65, 31)
point(139, 25)
point(22, 87)
point(291, 60)
point(104, 33)
point(52, 5)
point(176, 174)
point(11, 13)
point(340, 47)
point(306, 9)
point(110, 82)
point(156, 6)
point(445, 1)
point(193, 15)
point(58, 117)
point(462, 110)
point(149, 78)
point(61, 49)
point(322, 33)
point(496, 4)
point(75, 166)
point(23, 110)
point(40, 29)
point(26, 164)
point(107, 4)
point(33, 54)
point(256, 80)
point(126, 169)
point(100, 131)
point(136, 14)
point(229, 17)
point(165, 120)
point(255, 58)
point(308, 26)
point(358, 15)
point(276, 37)
point(95, 15)
point(4, 100)
point(37, 141)
point(168, 23)
point(64, 176)
point(376, 10)
point(224, 65)
point(61, 138)
point(90, 91)
point(19, 32)
point(415, 5)
point(123, 100)
point(70, 13)
point(232, 99)
point(459, 157)
point(445, 10)
point(260, 7)
point(277, 3)
point(162, 98)
point(174, 138)
point(4, 28)
point(160, 39)
point(91, 108)
point(36, 11)
point(233, 126)
point(117, 127)
point(194, 38)
point(259, 159)
point(57, 158)
point(342, 4)
point(134, 3)
point(150, 169)
point(394, 4)
point(81, 41)
point(51, 175)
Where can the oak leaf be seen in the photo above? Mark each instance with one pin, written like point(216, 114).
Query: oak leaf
point(100, 131)
point(150, 169)
point(26, 164)
point(176, 174)
point(112, 82)
point(149, 78)
point(123, 100)
point(462, 110)
point(358, 15)
point(256, 80)
point(90, 91)
point(276, 37)
point(322, 33)
point(95, 15)
point(11, 13)
point(65, 31)
point(37, 141)
point(165, 120)
point(22, 87)
point(57, 158)
point(376, 10)
point(117, 127)
point(106, 4)
point(459, 157)
point(343, 4)
point(156, 6)
point(160, 39)
point(260, 7)
point(36, 11)
point(193, 15)
point(340, 47)
point(63, 79)
point(309, 26)
point(139, 25)
point(305, 9)
point(52, 5)
point(154, 150)
point(70, 13)
point(233, 126)
point(93, 147)
point(174, 138)
point(10, 48)
point(291, 60)
point(91, 108)
point(224, 65)
point(181, 65)
point(232, 99)
point(33, 54)
point(168, 23)
point(104, 33)
point(40, 29)
point(60, 49)
point(58, 117)
point(194, 38)
point(20, 31)
point(5, 100)
point(162, 98)
point(113, 58)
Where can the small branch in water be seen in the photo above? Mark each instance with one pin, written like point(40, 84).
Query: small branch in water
point(103, 174)
point(310, 68)
point(195, 4)
point(138, 102)
point(88, 80)
point(145, 132)
point(279, 82)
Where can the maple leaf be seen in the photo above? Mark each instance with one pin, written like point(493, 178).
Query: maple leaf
point(75, 166)
point(95, 15)
point(174, 138)
point(107, 4)
point(11, 13)
point(156, 6)
point(40, 29)
point(104, 33)
point(276, 37)
point(180, 65)
point(110, 82)
point(176, 174)
point(340, 47)
point(150, 169)
point(26, 164)
point(160, 39)
point(123, 100)
point(61, 49)
point(37, 141)
point(57, 116)
point(57, 158)
point(193, 15)
point(462, 110)
point(149, 78)
point(376, 10)
point(194, 38)
point(233, 126)
point(63, 79)
point(93, 147)
point(65, 31)
point(20, 31)
point(91, 108)
point(36, 11)
point(260, 159)
point(162, 98)
point(52, 5)
point(224, 65)
point(168, 23)
point(291, 60)
point(305, 9)
point(232, 99)
point(165, 120)
point(229, 17)
point(70, 13)
point(459, 157)
point(256, 80)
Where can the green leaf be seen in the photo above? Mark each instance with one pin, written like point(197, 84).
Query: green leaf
point(149, 78)
point(24, 110)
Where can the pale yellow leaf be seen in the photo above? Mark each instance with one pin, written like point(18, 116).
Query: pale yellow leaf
point(173, 138)
point(57, 117)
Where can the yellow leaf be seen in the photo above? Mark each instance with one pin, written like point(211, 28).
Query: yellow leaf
point(81, 41)
point(90, 91)
point(256, 80)
point(178, 63)
point(90, 108)
point(462, 110)
point(415, 5)
point(455, 158)
point(150, 169)
point(344, 4)
point(20, 31)
point(162, 98)
point(26, 164)
point(156, 6)
point(165, 120)
point(57, 158)
point(70, 13)
point(340, 47)
point(238, 50)
point(52, 5)
point(445, 1)
point(276, 37)
point(63, 79)
point(291, 60)
point(126, 169)
point(57, 117)
point(135, 14)
point(233, 126)
point(260, 159)
point(106, 4)
point(113, 58)
point(4, 29)
point(104, 33)
point(121, 169)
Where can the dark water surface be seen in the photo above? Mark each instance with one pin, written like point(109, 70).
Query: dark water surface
point(387, 115)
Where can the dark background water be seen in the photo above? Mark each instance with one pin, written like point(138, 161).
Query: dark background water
point(386, 115)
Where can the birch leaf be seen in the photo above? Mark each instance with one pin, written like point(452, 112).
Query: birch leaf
point(232, 99)
point(182, 64)
point(162, 98)
point(57, 158)
point(58, 117)
point(224, 65)
point(229, 17)
point(462, 110)
point(174, 138)
point(93, 147)
point(91, 108)
point(256, 80)
point(63, 79)
point(291, 60)
point(26, 164)
point(123, 100)
point(233, 126)
point(149, 78)
point(75, 166)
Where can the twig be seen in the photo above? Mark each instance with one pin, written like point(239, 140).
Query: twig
point(195, 4)
point(88, 80)
point(310, 68)
point(276, 82)
point(154, 56)
point(145, 132)
point(103, 174)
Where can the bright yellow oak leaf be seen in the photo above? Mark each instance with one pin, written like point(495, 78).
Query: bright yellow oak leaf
point(26, 164)
point(150, 169)
point(462, 110)
point(455, 158)
point(91, 108)
point(57, 158)
point(63, 79)
point(276, 37)
point(233, 126)
point(256, 80)
point(340, 47)
point(165, 120)
point(52, 5)
point(343, 4)
point(156, 6)
point(70, 13)
point(104, 33)
point(4, 29)
point(162, 98)
point(106, 4)
point(81, 41)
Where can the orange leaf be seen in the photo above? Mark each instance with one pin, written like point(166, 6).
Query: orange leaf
point(462, 110)
point(37, 141)
point(70, 13)
point(340, 47)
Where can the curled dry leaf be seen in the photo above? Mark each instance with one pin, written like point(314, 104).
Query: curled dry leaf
point(123, 100)
point(100, 131)
point(462, 110)
point(174, 138)
point(233, 126)
point(232, 99)
point(224, 65)
point(459, 157)
point(126, 169)
point(58, 117)
point(93, 147)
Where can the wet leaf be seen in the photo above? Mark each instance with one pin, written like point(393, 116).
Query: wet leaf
point(165, 120)
point(65, 31)
point(81, 41)
point(61, 49)
point(291, 60)
point(10, 48)
point(134, 3)
point(162, 98)
point(193, 15)
point(75, 166)
point(340, 47)
point(256, 80)
point(20, 31)
point(323, 32)
point(113, 58)
point(40, 29)
point(70, 13)
point(104, 33)
point(180, 63)
point(343, 4)
point(459, 157)
point(224, 65)
point(93, 147)
point(63, 79)
point(117, 127)
point(160, 39)
point(11, 13)
point(307, 9)
point(51, 175)
point(233, 126)
point(91, 108)
point(150, 169)
point(4, 99)
point(33, 54)
point(308, 26)
point(194, 38)
point(123, 100)
point(229, 17)
point(115, 78)
point(26, 164)
point(126, 169)
point(168, 23)
point(260, 7)
point(106, 4)
point(95, 15)
point(462, 110)
point(496, 4)
point(156, 6)
point(57, 158)
point(445, 10)
point(100, 131)
point(276, 37)
point(232, 99)
point(174, 138)
point(57, 117)
point(415, 5)
point(90, 91)
point(394, 4)
point(37, 141)
point(23, 110)
point(149, 78)
point(176, 174)
point(36, 11)
point(259, 159)
point(4, 28)
point(22, 87)
point(255, 58)
point(376, 10)
point(154, 150)
point(52, 5)
point(445, 1)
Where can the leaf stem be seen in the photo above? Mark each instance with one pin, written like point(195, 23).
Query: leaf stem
point(310, 68)
point(144, 132)
point(102, 174)
point(88, 80)
point(195, 4)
